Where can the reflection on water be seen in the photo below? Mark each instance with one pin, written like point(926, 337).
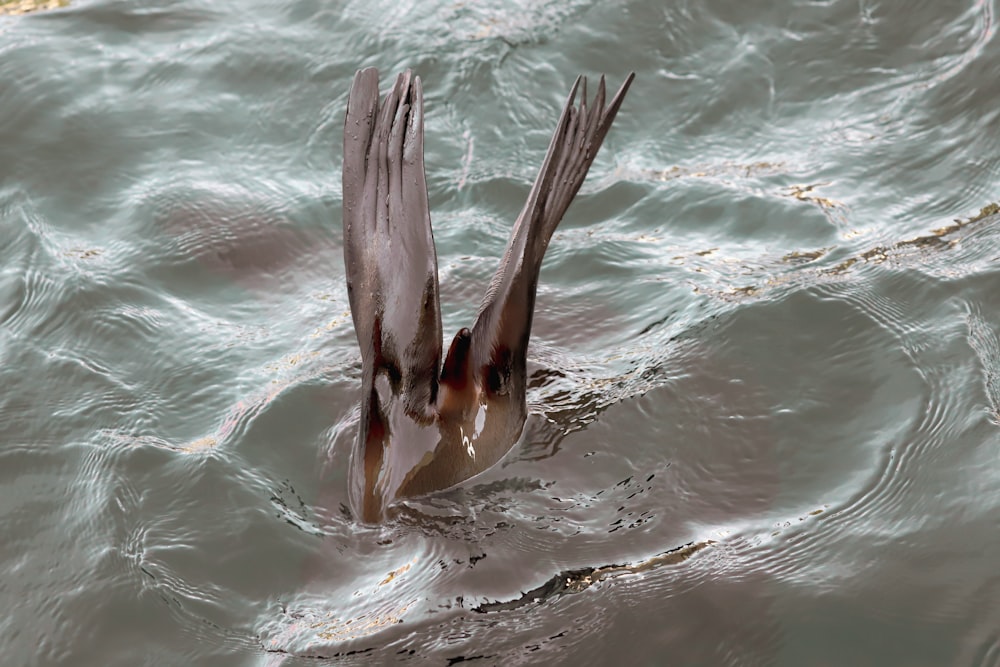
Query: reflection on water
point(17, 7)
point(764, 376)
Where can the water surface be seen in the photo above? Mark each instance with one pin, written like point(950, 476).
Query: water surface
point(765, 391)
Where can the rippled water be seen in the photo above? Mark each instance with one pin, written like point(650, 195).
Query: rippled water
point(765, 401)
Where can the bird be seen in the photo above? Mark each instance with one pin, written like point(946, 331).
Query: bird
point(428, 423)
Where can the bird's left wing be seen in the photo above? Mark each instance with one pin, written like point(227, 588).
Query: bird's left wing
point(389, 251)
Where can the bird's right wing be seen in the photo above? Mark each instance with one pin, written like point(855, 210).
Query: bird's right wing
point(500, 334)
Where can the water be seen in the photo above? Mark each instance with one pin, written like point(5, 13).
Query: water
point(765, 391)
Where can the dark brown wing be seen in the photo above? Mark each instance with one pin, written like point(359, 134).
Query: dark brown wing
point(500, 335)
point(388, 245)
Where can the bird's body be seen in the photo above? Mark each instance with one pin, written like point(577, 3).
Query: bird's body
point(425, 425)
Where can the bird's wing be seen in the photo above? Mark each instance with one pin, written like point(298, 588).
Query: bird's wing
point(389, 251)
point(500, 334)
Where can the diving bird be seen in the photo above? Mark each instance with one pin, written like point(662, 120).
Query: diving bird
point(427, 425)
